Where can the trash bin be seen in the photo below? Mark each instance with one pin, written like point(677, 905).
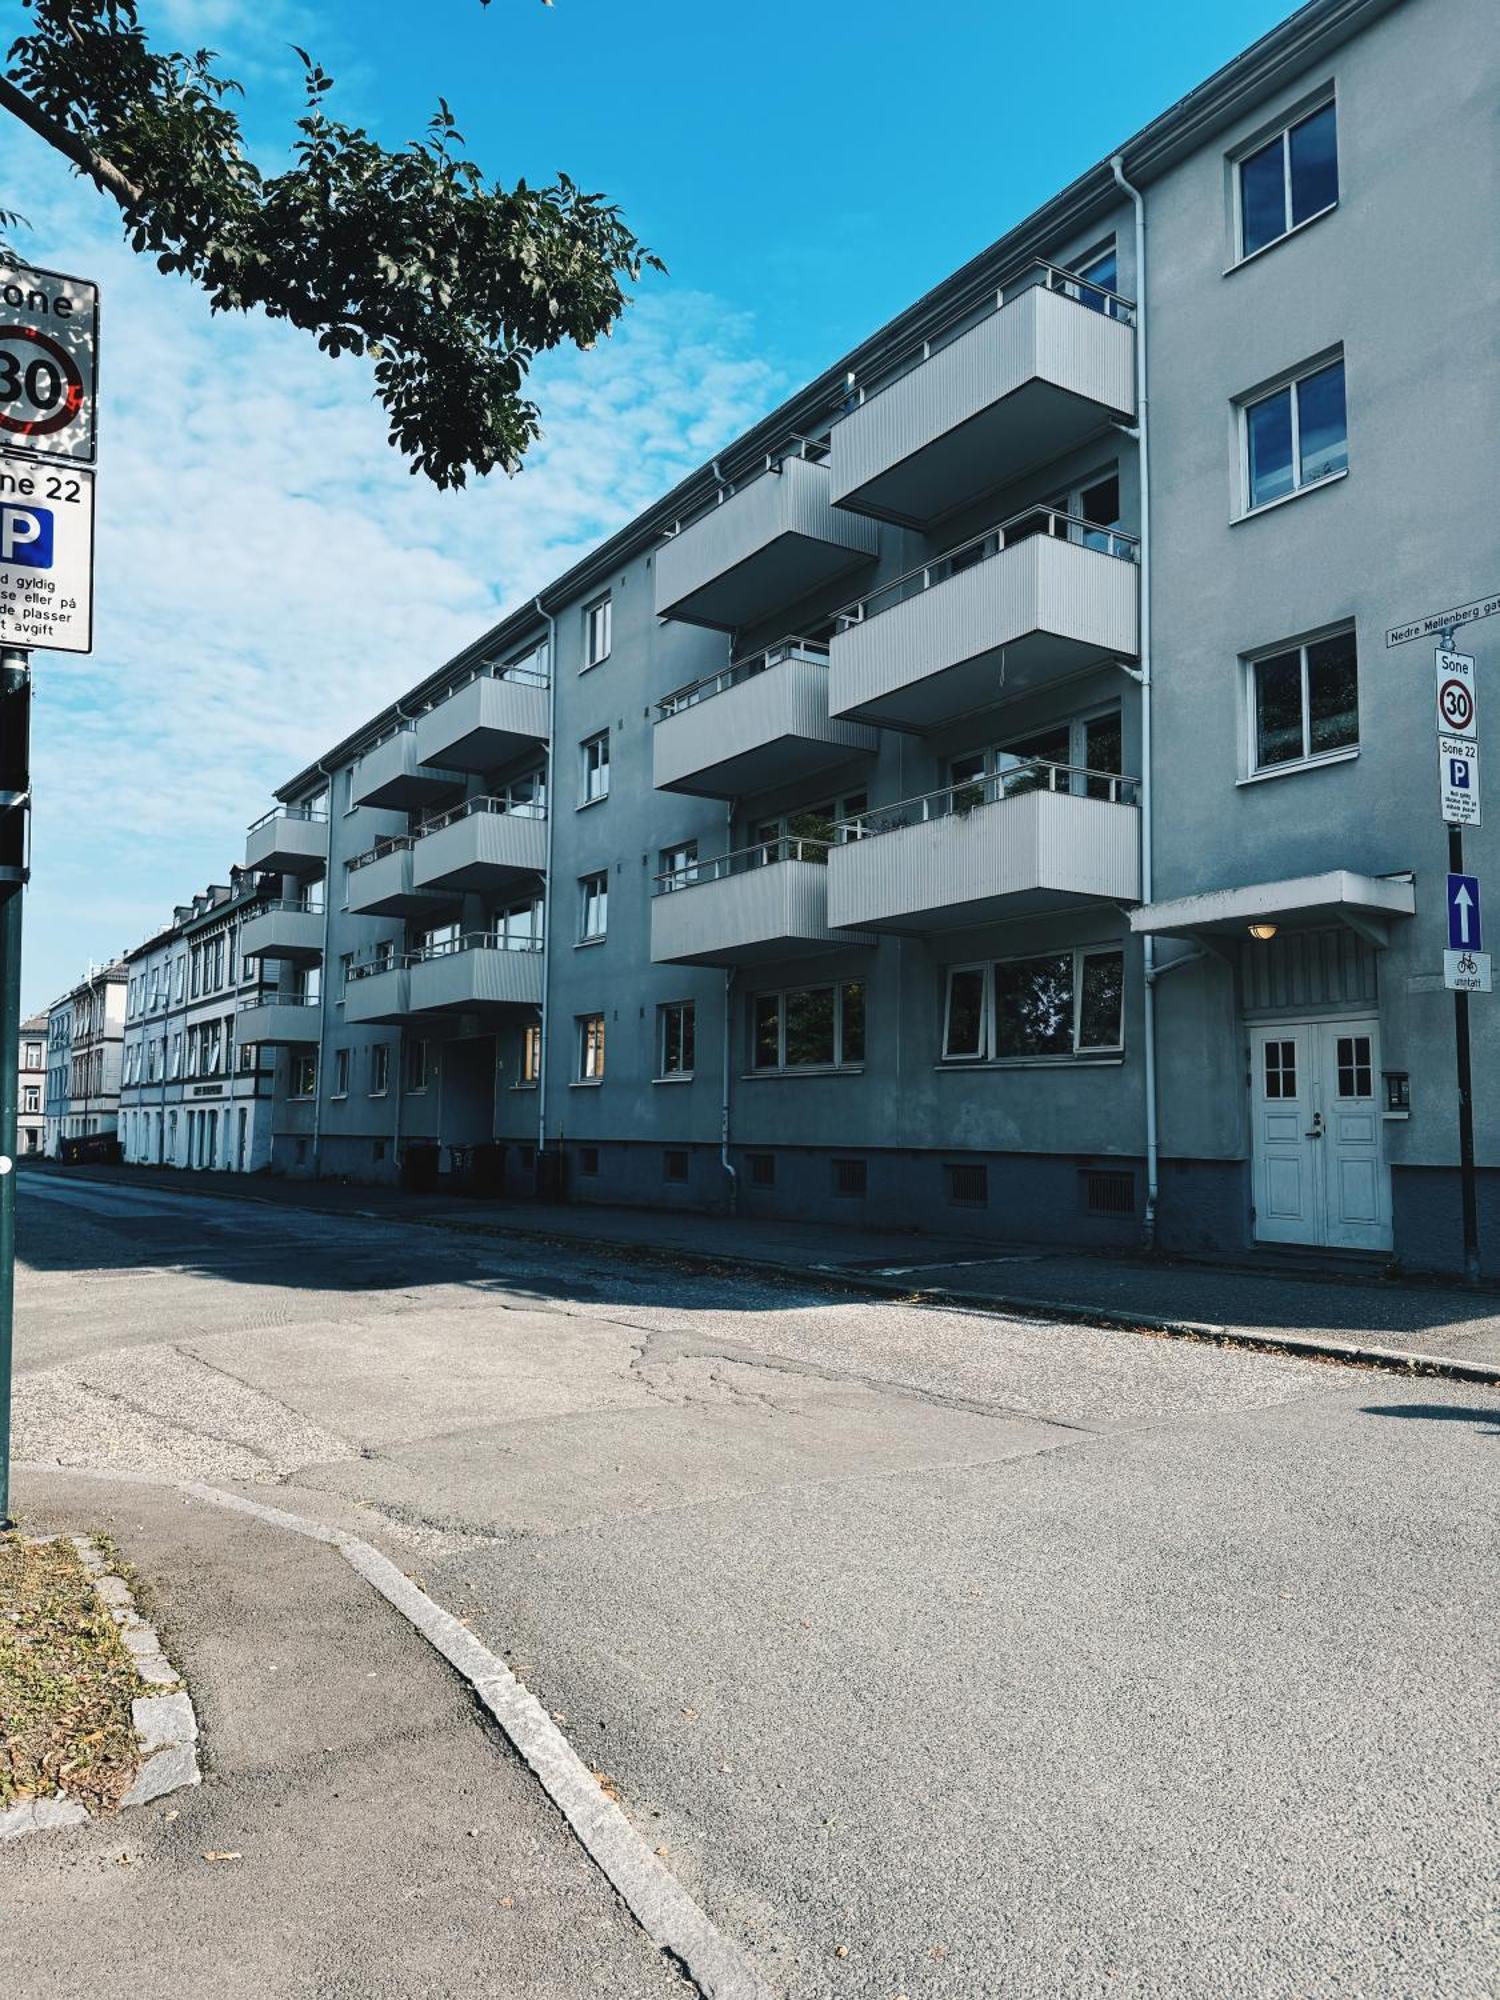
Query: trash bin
point(419, 1167)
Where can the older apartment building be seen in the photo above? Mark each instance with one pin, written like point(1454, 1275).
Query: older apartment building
point(193, 1093)
point(31, 1093)
point(984, 797)
point(84, 1033)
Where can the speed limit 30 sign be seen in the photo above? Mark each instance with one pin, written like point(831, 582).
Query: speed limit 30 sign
point(49, 359)
point(1457, 694)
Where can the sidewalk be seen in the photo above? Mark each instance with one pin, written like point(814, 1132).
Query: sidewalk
point(387, 1841)
point(1338, 1315)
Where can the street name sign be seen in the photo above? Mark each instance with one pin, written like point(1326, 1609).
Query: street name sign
point(1458, 761)
point(46, 555)
point(1439, 621)
point(1457, 695)
point(49, 363)
point(1465, 926)
point(1467, 972)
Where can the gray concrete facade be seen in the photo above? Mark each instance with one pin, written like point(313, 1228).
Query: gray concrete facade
point(841, 745)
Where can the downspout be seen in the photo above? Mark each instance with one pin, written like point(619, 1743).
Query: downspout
point(547, 910)
point(1143, 677)
point(324, 981)
point(724, 1159)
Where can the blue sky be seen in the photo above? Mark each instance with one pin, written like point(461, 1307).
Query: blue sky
point(268, 573)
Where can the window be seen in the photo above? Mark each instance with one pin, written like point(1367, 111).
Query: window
point(674, 1039)
point(380, 1069)
point(1100, 268)
point(341, 1073)
point(1304, 702)
point(416, 1065)
point(32, 1099)
point(674, 1164)
point(33, 1055)
point(850, 1179)
point(1289, 180)
point(346, 966)
point(593, 906)
point(304, 1080)
point(346, 788)
point(1281, 1069)
point(812, 1027)
point(677, 866)
point(762, 1169)
point(590, 1048)
point(597, 622)
point(531, 1053)
point(197, 957)
point(1087, 751)
point(1296, 435)
point(1354, 1072)
point(595, 755)
point(1067, 1003)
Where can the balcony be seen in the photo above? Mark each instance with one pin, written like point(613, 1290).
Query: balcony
point(378, 991)
point(1030, 838)
point(767, 902)
point(501, 713)
point(380, 881)
point(479, 973)
point(484, 844)
point(763, 721)
point(394, 775)
point(287, 930)
point(277, 1023)
point(1051, 361)
point(1041, 596)
point(289, 840)
point(765, 545)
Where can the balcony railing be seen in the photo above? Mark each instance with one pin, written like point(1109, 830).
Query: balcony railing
point(764, 854)
point(314, 813)
point(814, 449)
point(371, 968)
point(1029, 774)
point(473, 941)
point(1050, 277)
point(993, 542)
point(519, 804)
point(520, 673)
point(394, 843)
point(739, 671)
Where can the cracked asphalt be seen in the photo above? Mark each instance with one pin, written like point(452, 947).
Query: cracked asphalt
point(1011, 1658)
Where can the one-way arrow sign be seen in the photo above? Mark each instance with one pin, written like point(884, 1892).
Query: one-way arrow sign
point(1465, 931)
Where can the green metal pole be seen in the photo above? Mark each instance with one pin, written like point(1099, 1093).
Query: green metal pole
point(15, 803)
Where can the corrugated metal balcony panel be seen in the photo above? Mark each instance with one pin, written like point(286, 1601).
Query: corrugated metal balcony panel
point(283, 934)
point(1038, 851)
point(476, 981)
point(767, 545)
point(278, 1023)
point(288, 845)
point(484, 725)
point(771, 729)
point(394, 775)
point(483, 850)
point(1038, 610)
point(1027, 384)
point(378, 997)
point(384, 888)
point(779, 911)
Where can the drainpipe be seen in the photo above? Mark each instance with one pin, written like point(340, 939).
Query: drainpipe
point(724, 1159)
point(324, 980)
point(1143, 677)
point(547, 910)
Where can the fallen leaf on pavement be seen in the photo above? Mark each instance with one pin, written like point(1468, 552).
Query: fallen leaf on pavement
point(223, 1854)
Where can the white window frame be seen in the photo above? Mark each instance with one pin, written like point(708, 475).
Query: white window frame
point(1310, 759)
point(593, 907)
point(586, 1053)
point(985, 1056)
point(380, 1058)
point(598, 631)
point(594, 765)
point(1258, 144)
point(665, 1009)
point(677, 866)
point(416, 1089)
point(530, 1071)
point(342, 1062)
point(1290, 382)
point(781, 1067)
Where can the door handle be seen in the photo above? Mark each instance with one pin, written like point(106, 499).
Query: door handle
point(1317, 1126)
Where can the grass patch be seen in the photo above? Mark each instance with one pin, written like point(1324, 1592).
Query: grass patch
point(66, 1681)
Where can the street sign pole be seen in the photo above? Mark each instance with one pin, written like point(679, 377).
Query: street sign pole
point(15, 811)
point(1468, 1189)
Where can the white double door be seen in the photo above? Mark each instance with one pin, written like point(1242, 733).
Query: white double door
point(1319, 1163)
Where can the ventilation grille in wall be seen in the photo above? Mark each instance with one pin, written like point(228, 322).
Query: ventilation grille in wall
point(762, 1170)
point(849, 1177)
point(1108, 1190)
point(588, 1159)
point(968, 1185)
point(674, 1164)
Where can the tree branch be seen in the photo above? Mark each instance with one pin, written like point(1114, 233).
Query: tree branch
point(83, 156)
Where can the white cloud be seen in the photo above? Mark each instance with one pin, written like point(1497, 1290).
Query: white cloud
point(269, 573)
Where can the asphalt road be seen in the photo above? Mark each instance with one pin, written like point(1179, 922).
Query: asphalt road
point(1015, 1659)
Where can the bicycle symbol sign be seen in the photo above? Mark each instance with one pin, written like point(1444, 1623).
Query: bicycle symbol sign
point(1457, 694)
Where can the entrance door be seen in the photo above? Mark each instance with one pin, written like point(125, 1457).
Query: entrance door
point(1319, 1167)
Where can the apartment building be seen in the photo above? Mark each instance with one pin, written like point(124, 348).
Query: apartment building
point(984, 797)
point(193, 1092)
point(85, 1029)
point(31, 1120)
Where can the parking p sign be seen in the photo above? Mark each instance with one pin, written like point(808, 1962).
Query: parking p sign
point(46, 555)
point(1458, 771)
